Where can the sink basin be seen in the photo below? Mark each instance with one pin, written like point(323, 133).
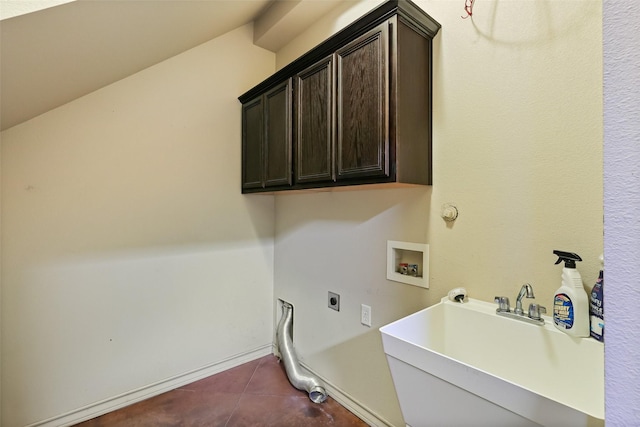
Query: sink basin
point(461, 364)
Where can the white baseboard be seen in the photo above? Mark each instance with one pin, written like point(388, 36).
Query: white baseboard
point(351, 403)
point(100, 408)
point(111, 404)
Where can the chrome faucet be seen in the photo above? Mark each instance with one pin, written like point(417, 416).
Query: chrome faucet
point(527, 291)
point(535, 311)
point(534, 315)
point(503, 304)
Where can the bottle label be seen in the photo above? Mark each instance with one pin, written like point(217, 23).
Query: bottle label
point(596, 310)
point(597, 326)
point(596, 306)
point(563, 311)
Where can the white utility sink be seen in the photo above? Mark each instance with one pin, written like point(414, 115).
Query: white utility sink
point(459, 364)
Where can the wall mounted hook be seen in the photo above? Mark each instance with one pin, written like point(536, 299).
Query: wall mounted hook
point(449, 212)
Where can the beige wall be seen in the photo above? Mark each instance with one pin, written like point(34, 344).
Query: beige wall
point(333, 21)
point(517, 146)
point(0, 279)
point(129, 254)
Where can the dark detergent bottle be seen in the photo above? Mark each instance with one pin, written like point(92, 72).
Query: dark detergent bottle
point(596, 307)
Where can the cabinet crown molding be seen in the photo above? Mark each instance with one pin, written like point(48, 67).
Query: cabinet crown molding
point(406, 10)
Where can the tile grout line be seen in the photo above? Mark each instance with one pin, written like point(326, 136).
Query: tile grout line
point(243, 390)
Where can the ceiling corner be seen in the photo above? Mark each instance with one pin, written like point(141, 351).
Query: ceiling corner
point(286, 19)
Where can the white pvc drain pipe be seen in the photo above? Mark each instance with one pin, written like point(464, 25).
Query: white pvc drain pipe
point(297, 377)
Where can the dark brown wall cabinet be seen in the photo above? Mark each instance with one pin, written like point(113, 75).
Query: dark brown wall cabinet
point(354, 110)
point(266, 139)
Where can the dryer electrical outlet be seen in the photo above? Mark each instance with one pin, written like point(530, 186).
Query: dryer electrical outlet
point(334, 301)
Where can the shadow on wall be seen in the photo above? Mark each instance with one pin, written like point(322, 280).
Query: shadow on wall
point(539, 21)
point(358, 376)
point(348, 208)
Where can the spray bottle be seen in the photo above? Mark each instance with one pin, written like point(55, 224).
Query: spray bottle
point(571, 303)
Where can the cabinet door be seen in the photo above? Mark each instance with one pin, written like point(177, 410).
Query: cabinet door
point(314, 123)
point(266, 139)
point(362, 106)
point(252, 143)
point(277, 144)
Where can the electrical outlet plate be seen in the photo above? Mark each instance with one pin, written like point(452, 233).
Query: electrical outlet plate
point(365, 315)
point(334, 301)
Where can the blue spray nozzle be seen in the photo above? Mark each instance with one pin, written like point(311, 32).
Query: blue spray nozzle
point(569, 258)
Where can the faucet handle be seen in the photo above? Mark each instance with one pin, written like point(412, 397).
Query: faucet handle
point(535, 311)
point(503, 304)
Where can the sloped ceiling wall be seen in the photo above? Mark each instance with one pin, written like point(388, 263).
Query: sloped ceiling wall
point(58, 54)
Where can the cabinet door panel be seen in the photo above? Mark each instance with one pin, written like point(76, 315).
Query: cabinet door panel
point(314, 123)
point(252, 142)
point(362, 101)
point(277, 113)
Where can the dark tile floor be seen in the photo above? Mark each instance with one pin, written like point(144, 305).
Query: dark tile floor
point(257, 393)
